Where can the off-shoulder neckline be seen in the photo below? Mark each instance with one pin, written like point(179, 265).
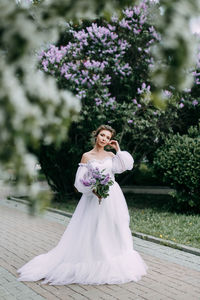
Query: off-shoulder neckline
point(96, 159)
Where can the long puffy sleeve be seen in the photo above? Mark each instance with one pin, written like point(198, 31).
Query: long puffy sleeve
point(82, 173)
point(122, 161)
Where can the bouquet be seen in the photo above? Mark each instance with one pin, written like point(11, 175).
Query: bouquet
point(98, 181)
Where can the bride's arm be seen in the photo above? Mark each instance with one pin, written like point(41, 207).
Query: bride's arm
point(81, 174)
point(123, 160)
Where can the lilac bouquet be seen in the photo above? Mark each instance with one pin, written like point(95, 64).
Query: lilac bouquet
point(98, 181)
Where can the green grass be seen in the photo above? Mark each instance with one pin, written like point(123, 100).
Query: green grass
point(149, 214)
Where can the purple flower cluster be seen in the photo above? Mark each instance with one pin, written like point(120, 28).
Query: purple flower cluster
point(197, 77)
point(144, 89)
point(105, 180)
point(52, 56)
point(98, 181)
point(96, 52)
point(93, 176)
point(195, 102)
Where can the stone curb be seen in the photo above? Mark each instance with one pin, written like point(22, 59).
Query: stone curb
point(140, 235)
point(147, 190)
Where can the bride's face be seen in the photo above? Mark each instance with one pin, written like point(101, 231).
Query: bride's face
point(103, 138)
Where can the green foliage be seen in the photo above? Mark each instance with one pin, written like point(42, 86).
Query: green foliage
point(177, 52)
point(32, 106)
point(124, 101)
point(178, 162)
point(33, 109)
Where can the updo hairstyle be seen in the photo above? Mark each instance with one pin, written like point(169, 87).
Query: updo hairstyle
point(103, 127)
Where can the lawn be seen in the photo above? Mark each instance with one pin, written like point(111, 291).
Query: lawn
point(149, 215)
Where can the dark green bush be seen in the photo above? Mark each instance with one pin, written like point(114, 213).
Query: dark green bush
point(178, 162)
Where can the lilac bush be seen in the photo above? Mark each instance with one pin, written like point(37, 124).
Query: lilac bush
point(104, 55)
point(106, 65)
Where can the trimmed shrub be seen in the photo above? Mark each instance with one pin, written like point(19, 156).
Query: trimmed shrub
point(178, 162)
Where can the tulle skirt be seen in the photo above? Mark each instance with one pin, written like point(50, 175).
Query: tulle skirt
point(96, 247)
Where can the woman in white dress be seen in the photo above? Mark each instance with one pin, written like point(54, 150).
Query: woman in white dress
point(97, 245)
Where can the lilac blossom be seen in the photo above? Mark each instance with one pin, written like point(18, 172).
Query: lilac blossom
point(85, 65)
point(167, 93)
point(195, 102)
point(114, 19)
point(45, 64)
point(124, 24)
point(110, 101)
point(98, 182)
point(128, 13)
point(112, 28)
point(139, 91)
point(134, 101)
point(98, 101)
point(144, 88)
point(85, 182)
point(105, 180)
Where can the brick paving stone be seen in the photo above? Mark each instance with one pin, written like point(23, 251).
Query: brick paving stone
point(22, 237)
point(13, 289)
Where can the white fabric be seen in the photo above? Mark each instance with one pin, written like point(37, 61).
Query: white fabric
point(97, 245)
point(122, 161)
point(81, 172)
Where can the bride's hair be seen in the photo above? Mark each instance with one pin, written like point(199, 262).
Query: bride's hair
point(103, 127)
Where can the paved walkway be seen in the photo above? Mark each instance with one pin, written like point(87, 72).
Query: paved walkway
point(172, 274)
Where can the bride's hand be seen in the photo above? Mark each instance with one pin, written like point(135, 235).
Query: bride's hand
point(114, 144)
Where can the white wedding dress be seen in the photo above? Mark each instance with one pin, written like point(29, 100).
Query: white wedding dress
point(97, 245)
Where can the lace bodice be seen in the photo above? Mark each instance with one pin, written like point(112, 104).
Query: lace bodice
point(121, 162)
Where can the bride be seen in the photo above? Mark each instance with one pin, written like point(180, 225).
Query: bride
point(97, 245)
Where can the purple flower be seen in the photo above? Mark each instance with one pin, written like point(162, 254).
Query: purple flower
point(95, 173)
point(98, 101)
point(85, 182)
point(130, 121)
point(167, 93)
point(125, 24)
point(181, 105)
point(114, 19)
point(105, 180)
point(135, 101)
point(195, 102)
point(45, 64)
point(139, 91)
point(92, 180)
point(128, 13)
point(143, 85)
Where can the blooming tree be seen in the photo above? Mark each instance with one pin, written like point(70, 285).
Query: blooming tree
point(33, 109)
point(106, 64)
